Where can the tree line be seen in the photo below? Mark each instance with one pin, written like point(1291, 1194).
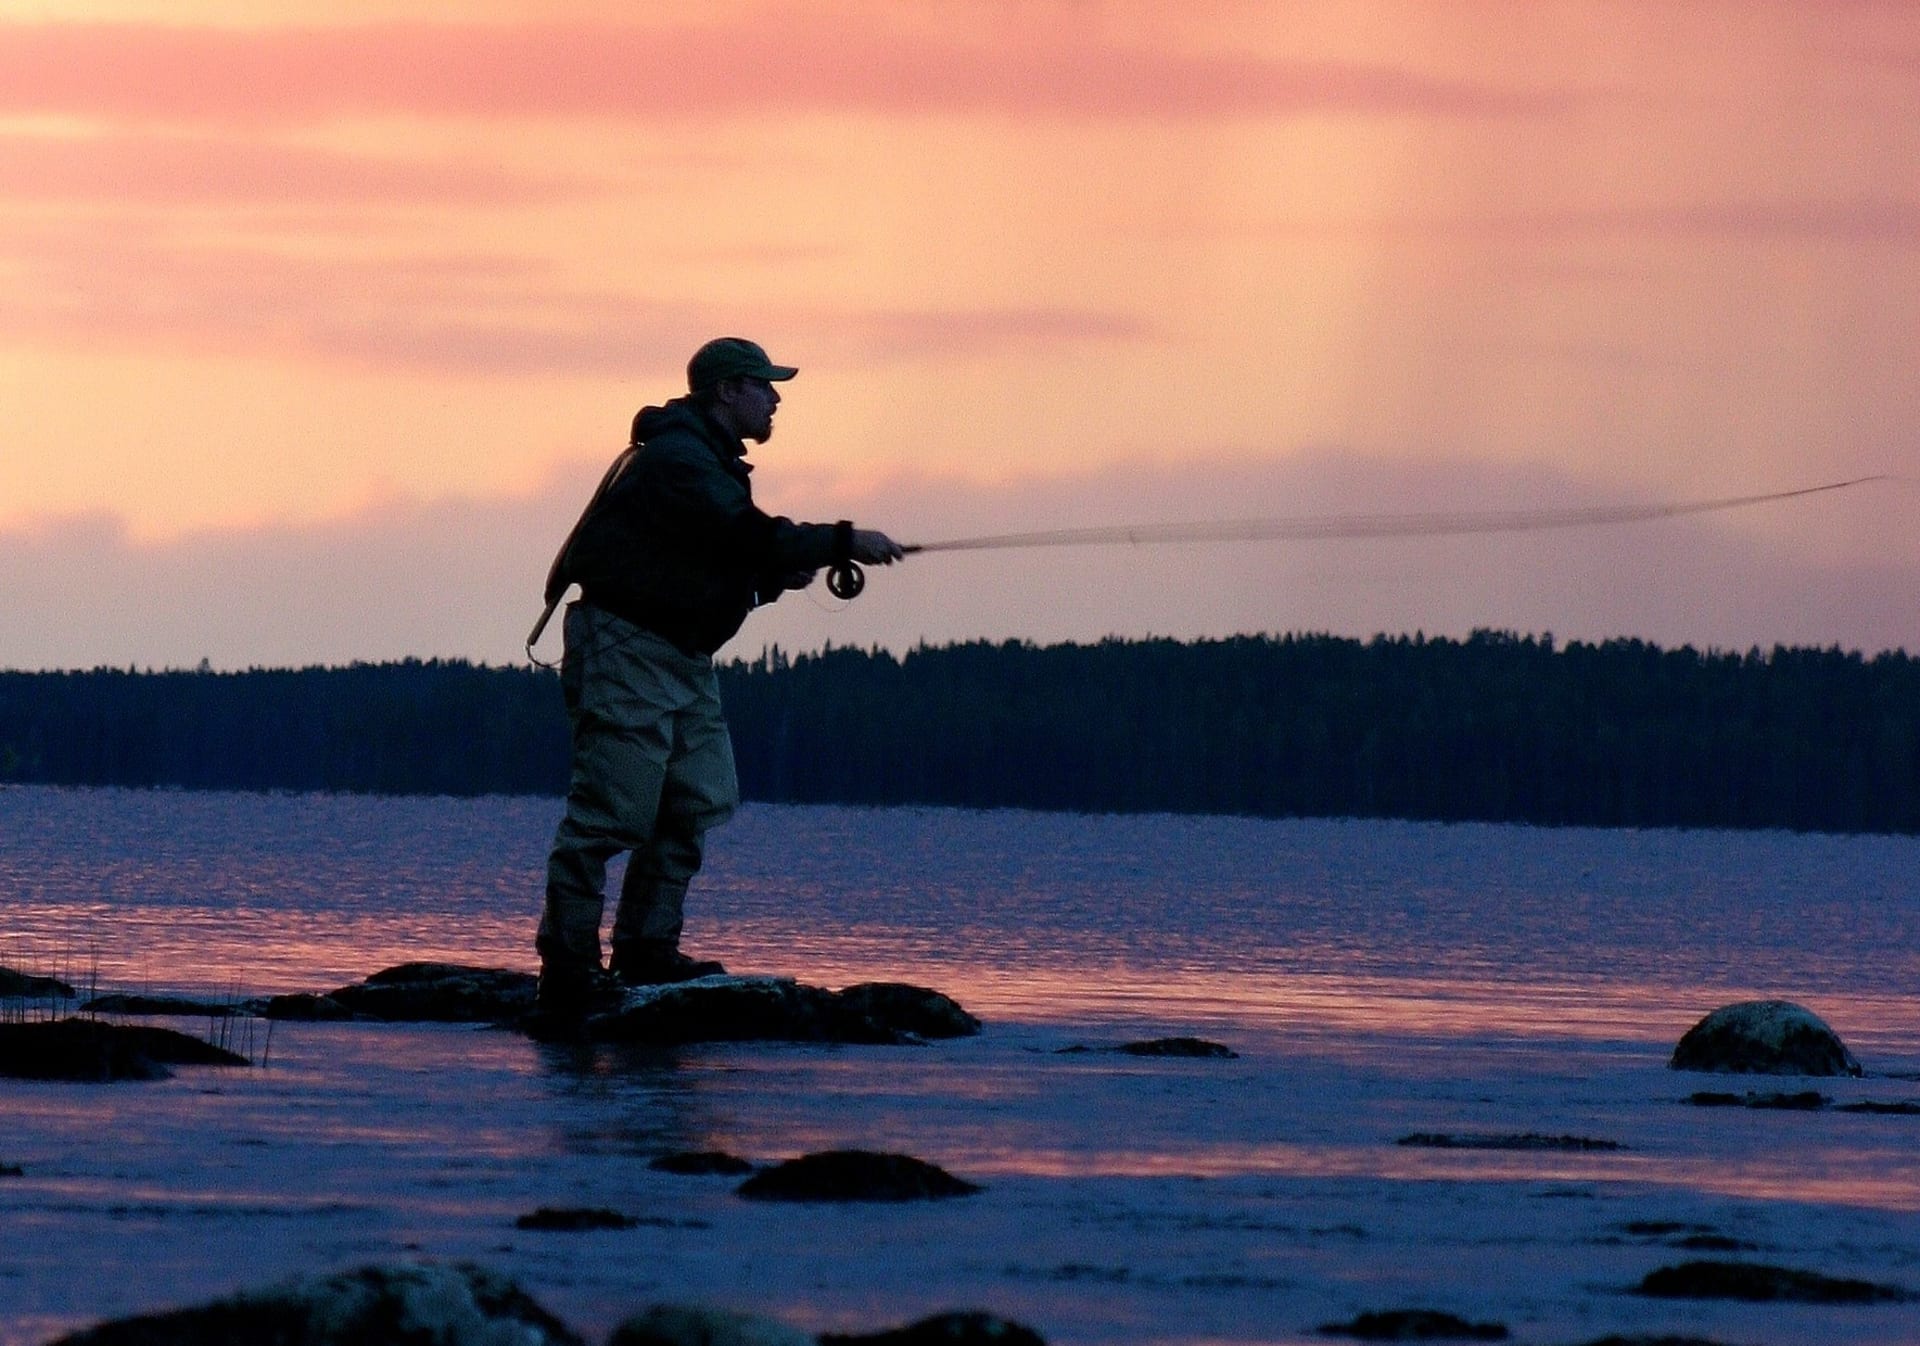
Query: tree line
point(1496, 727)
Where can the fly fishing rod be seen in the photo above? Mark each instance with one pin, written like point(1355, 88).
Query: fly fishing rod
point(845, 580)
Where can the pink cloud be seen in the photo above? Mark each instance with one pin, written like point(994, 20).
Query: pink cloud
point(1888, 220)
point(170, 170)
point(779, 62)
point(109, 285)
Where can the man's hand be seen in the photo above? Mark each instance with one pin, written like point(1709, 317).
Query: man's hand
point(873, 547)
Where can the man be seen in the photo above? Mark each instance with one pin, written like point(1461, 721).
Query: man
point(670, 556)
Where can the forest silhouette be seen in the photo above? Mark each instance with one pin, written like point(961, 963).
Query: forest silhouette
point(1496, 727)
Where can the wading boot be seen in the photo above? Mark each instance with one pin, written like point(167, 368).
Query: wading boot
point(565, 996)
point(657, 962)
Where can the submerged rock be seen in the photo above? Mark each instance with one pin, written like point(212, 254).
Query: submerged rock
point(1194, 1047)
point(439, 993)
point(696, 1163)
point(1530, 1140)
point(855, 1175)
point(458, 1305)
point(1806, 1100)
point(12, 1171)
point(1414, 1325)
point(945, 1329)
point(1756, 1281)
point(15, 985)
point(698, 1325)
point(89, 1051)
point(574, 1219)
point(910, 1009)
point(1764, 1037)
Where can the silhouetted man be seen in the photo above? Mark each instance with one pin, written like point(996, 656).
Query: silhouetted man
point(671, 555)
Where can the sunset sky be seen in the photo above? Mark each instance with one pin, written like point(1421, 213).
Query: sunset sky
point(319, 321)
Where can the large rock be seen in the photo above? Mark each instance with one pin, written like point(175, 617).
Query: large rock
point(774, 1009)
point(1758, 1283)
point(89, 1051)
point(968, 1328)
point(374, 1306)
point(1764, 1037)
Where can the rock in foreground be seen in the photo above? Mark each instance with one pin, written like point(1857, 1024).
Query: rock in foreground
point(1414, 1325)
point(1764, 1037)
point(89, 1051)
point(373, 1306)
point(946, 1329)
point(699, 1325)
point(855, 1175)
point(439, 993)
point(15, 985)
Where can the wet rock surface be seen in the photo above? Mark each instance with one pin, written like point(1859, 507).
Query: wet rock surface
point(1759, 1282)
point(439, 993)
point(695, 1163)
point(855, 1175)
point(1414, 1325)
point(1764, 1037)
point(1805, 1100)
point(89, 1051)
point(301, 1007)
point(945, 1329)
point(1530, 1140)
point(373, 1306)
point(770, 1009)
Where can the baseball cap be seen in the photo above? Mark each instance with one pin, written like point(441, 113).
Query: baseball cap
point(732, 358)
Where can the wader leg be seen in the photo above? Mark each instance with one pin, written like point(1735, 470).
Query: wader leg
point(700, 792)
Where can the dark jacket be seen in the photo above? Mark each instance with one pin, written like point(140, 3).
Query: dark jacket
point(676, 545)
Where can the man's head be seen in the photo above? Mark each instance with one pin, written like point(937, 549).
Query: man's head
point(733, 379)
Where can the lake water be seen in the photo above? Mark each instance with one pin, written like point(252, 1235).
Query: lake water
point(1378, 979)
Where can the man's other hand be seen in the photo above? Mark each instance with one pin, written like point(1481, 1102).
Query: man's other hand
point(874, 548)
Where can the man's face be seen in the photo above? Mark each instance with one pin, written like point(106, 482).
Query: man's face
point(750, 404)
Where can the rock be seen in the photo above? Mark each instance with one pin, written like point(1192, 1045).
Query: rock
point(696, 1162)
point(20, 985)
point(692, 1325)
point(855, 1175)
point(1901, 1108)
point(1531, 1140)
point(458, 1305)
point(12, 1171)
point(754, 1009)
point(1198, 1047)
point(1807, 1100)
point(1414, 1325)
point(573, 1219)
point(1758, 1282)
point(440, 993)
point(157, 1004)
point(945, 1329)
point(90, 1051)
point(303, 1007)
point(910, 1009)
point(1764, 1037)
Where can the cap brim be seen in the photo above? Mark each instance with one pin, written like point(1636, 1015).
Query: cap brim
point(779, 373)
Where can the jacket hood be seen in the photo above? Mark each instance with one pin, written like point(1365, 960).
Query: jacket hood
point(683, 414)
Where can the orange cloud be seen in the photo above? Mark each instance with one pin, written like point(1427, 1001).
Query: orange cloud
point(784, 62)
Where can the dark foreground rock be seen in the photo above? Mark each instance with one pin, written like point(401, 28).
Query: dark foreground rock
point(16, 985)
point(695, 1163)
point(372, 1306)
point(1414, 1325)
point(1804, 1100)
point(945, 1329)
point(769, 1009)
point(855, 1175)
point(1530, 1140)
point(12, 1171)
point(1764, 1037)
point(439, 993)
point(89, 1051)
point(1758, 1282)
point(302, 1008)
